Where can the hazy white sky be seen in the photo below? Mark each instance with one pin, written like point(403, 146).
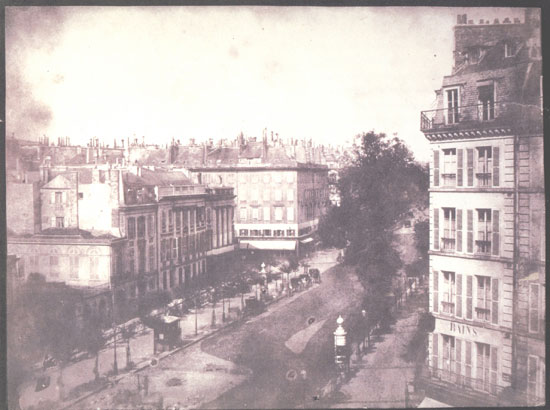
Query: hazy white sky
point(201, 72)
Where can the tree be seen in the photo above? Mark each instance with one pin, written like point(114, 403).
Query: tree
point(128, 332)
point(422, 237)
point(92, 339)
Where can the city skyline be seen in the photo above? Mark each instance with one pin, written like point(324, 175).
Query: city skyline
point(322, 73)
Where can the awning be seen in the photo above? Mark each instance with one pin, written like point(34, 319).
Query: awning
point(307, 240)
point(269, 245)
point(431, 403)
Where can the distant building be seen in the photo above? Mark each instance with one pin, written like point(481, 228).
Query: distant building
point(487, 219)
point(279, 200)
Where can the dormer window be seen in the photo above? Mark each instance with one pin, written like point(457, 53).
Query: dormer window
point(509, 49)
point(474, 55)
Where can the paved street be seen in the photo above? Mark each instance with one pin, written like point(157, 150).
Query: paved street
point(247, 366)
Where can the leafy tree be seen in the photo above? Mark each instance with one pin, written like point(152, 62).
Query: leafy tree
point(422, 237)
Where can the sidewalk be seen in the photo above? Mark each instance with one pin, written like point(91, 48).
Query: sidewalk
point(78, 378)
point(379, 379)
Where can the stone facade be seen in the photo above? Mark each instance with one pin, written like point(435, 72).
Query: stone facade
point(487, 218)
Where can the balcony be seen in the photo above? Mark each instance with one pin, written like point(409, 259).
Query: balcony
point(483, 247)
point(449, 180)
point(483, 178)
point(483, 313)
point(482, 116)
point(448, 244)
point(448, 307)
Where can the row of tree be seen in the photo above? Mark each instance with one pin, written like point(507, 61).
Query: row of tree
point(378, 187)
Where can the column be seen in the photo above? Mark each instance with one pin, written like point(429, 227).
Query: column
point(219, 227)
point(230, 224)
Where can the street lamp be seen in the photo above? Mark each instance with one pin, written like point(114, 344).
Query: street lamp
point(264, 276)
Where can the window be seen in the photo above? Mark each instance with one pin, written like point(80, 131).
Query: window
point(243, 232)
point(131, 228)
point(80, 195)
point(536, 379)
point(242, 214)
point(448, 293)
point(483, 241)
point(255, 194)
point(509, 49)
point(74, 261)
point(58, 198)
point(151, 258)
point(255, 232)
point(290, 214)
point(290, 177)
point(449, 167)
point(255, 214)
point(242, 178)
point(277, 177)
point(178, 222)
point(278, 213)
point(267, 213)
point(174, 248)
point(486, 103)
point(474, 55)
point(267, 232)
point(484, 163)
point(59, 222)
point(266, 194)
point(290, 195)
point(170, 221)
point(163, 221)
point(278, 232)
point(151, 226)
point(448, 353)
point(141, 227)
point(278, 195)
point(449, 228)
point(534, 303)
point(483, 306)
point(266, 178)
point(142, 256)
point(451, 104)
point(290, 232)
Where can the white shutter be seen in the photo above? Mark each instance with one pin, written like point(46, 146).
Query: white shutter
point(290, 214)
point(52, 197)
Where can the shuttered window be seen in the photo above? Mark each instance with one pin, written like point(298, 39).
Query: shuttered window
point(458, 295)
point(470, 166)
point(534, 307)
point(459, 167)
point(436, 228)
point(459, 230)
point(435, 351)
point(470, 233)
point(496, 232)
point(494, 312)
point(496, 169)
point(458, 358)
point(494, 368)
point(436, 167)
point(436, 291)
point(468, 361)
point(469, 300)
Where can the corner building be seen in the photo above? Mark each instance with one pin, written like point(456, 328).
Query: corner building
point(487, 217)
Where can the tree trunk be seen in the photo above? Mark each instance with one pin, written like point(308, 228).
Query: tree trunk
point(96, 366)
point(128, 355)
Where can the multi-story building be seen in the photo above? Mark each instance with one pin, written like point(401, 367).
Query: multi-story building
point(279, 200)
point(130, 230)
point(487, 218)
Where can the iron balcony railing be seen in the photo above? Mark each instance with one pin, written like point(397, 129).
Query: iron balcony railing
point(485, 115)
point(459, 381)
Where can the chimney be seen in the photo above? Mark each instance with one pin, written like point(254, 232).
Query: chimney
point(204, 153)
point(481, 21)
point(506, 21)
point(122, 141)
point(517, 21)
point(496, 21)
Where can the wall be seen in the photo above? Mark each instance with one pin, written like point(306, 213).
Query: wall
point(23, 208)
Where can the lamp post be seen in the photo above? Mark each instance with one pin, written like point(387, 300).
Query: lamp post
point(340, 351)
point(264, 276)
point(366, 334)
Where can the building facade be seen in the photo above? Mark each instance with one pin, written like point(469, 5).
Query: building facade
point(487, 218)
point(278, 207)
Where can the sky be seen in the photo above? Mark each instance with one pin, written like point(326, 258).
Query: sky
point(211, 72)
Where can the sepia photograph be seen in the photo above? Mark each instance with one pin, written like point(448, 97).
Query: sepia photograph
point(274, 207)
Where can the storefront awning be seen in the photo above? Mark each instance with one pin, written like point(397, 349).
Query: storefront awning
point(431, 403)
point(269, 245)
point(307, 240)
